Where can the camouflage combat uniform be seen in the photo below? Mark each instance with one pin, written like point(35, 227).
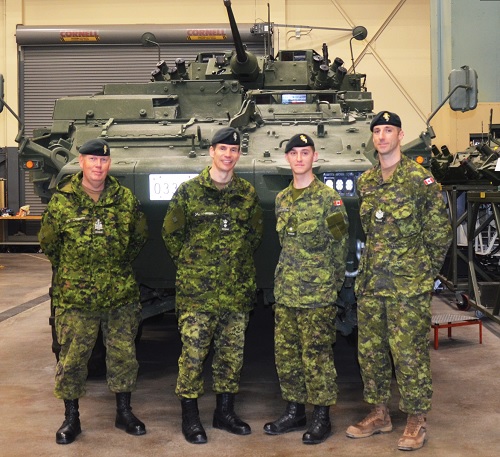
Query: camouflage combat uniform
point(407, 237)
point(313, 234)
point(91, 246)
point(211, 235)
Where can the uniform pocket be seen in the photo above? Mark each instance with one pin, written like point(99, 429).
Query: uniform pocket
point(405, 220)
point(308, 227)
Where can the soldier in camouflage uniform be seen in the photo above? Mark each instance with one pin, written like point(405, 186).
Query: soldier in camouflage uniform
point(91, 231)
point(312, 227)
point(211, 229)
point(407, 237)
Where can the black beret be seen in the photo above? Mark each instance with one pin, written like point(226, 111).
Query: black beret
point(386, 118)
point(97, 147)
point(227, 135)
point(300, 140)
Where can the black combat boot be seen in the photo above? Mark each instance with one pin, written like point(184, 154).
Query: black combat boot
point(70, 428)
point(125, 419)
point(226, 419)
point(294, 418)
point(191, 425)
point(320, 428)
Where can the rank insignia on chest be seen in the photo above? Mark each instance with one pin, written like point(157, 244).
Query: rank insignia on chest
point(225, 226)
point(290, 231)
point(98, 227)
point(379, 216)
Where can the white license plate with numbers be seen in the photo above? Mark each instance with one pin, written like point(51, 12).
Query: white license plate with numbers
point(163, 186)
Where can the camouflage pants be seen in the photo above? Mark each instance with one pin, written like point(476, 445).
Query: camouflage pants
point(198, 330)
point(398, 327)
point(303, 340)
point(77, 332)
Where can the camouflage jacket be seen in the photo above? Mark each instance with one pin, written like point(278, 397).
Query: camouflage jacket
point(313, 237)
point(211, 236)
point(407, 231)
point(91, 244)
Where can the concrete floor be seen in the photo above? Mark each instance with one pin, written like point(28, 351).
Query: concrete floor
point(464, 420)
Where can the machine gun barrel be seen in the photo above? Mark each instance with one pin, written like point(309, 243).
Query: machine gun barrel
point(238, 43)
point(244, 64)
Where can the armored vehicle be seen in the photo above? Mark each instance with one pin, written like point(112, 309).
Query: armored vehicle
point(160, 132)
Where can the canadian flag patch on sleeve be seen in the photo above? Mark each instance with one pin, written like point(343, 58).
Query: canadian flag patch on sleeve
point(337, 202)
point(428, 180)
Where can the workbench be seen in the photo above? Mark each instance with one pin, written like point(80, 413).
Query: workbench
point(454, 320)
point(23, 238)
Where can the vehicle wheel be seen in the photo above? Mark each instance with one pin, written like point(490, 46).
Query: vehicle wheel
point(463, 303)
point(352, 338)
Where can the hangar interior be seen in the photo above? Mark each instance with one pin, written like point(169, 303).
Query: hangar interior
point(60, 48)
